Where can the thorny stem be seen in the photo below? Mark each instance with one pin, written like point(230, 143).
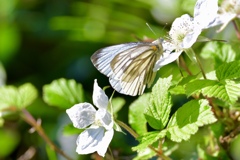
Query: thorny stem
point(135, 135)
point(30, 120)
point(236, 28)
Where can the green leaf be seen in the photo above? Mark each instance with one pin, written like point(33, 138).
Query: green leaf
point(21, 97)
point(63, 93)
point(158, 110)
point(220, 52)
point(175, 90)
point(187, 119)
point(117, 104)
point(28, 93)
point(180, 87)
point(197, 85)
point(146, 153)
point(228, 71)
point(136, 116)
point(227, 91)
point(148, 139)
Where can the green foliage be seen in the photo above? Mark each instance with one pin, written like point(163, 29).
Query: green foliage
point(63, 93)
point(136, 116)
point(145, 153)
point(18, 98)
point(187, 119)
point(229, 70)
point(158, 110)
point(148, 139)
point(223, 88)
point(218, 51)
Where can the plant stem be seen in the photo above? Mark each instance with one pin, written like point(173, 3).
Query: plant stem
point(30, 120)
point(127, 128)
point(184, 66)
point(135, 135)
point(236, 28)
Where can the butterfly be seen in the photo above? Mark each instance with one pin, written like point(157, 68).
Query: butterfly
point(129, 66)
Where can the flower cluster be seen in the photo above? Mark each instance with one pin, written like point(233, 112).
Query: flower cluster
point(185, 29)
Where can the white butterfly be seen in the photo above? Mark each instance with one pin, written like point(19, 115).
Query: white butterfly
point(129, 66)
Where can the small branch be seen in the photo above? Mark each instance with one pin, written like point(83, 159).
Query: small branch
point(30, 120)
point(236, 29)
point(135, 135)
point(200, 66)
point(182, 63)
point(127, 128)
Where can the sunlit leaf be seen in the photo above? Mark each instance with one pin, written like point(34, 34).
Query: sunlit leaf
point(197, 85)
point(187, 119)
point(220, 52)
point(148, 139)
point(227, 91)
point(228, 70)
point(145, 153)
point(158, 110)
point(63, 93)
point(136, 116)
point(20, 97)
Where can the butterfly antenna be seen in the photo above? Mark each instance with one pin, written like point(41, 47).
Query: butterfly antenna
point(159, 39)
point(151, 29)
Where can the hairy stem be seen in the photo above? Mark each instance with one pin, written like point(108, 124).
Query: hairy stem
point(30, 120)
point(135, 135)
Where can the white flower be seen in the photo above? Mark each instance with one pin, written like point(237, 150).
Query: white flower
point(99, 135)
point(228, 10)
point(185, 31)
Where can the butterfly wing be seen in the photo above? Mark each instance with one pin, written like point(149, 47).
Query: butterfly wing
point(133, 69)
point(129, 66)
point(102, 58)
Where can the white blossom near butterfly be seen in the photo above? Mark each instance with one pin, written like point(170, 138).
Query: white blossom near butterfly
point(99, 135)
point(129, 66)
point(185, 30)
point(228, 11)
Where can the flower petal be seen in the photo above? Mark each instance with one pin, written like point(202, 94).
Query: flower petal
point(180, 28)
point(191, 38)
point(99, 97)
point(105, 118)
point(205, 12)
point(88, 141)
point(164, 60)
point(103, 145)
point(82, 115)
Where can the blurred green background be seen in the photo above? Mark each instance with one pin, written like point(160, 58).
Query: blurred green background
point(43, 40)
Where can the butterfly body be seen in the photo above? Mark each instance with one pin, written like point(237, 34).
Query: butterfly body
point(129, 66)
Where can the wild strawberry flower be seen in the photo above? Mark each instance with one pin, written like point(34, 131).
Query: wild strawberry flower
point(229, 10)
point(99, 135)
point(185, 31)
